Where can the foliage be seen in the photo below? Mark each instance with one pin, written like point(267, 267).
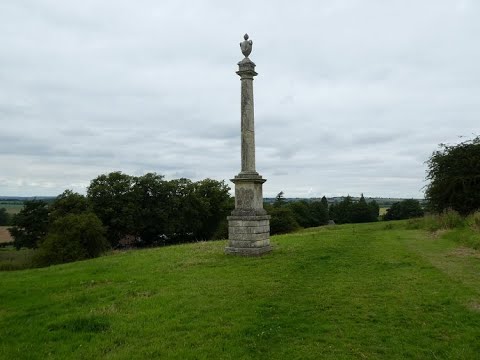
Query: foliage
point(454, 174)
point(309, 214)
point(217, 204)
point(282, 220)
point(279, 199)
point(30, 225)
point(157, 211)
point(346, 292)
point(349, 211)
point(68, 202)
point(4, 217)
point(405, 209)
point(324, 202)
point(72, 237)
point(150, 197)
point(111, 198)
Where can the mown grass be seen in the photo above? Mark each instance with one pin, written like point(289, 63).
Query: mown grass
point(344, 292)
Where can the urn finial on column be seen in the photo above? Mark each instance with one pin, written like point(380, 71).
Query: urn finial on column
point(246, 46)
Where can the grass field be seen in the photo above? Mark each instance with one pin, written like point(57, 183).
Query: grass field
point(11, 207)
point(366, 291)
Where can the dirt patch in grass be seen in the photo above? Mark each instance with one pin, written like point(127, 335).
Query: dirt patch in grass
point(5, 235)
point(465, 252)
point(437, 234)
point(474, 305)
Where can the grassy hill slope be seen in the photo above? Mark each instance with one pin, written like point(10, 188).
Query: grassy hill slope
point(352, 291)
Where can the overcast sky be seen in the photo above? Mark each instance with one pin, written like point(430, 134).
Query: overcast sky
point(352, 95)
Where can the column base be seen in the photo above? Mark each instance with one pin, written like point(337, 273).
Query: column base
point(248, 235)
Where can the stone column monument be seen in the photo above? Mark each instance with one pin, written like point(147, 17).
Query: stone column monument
point(249, 224)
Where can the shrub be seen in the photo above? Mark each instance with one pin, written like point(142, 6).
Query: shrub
point(405, 209)
point(448, 219)
point(451, 219)
point(282, 221)
point(71, 238)
point(474, 221)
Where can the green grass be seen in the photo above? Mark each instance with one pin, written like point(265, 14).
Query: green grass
point(11, 259)
point(342, 292)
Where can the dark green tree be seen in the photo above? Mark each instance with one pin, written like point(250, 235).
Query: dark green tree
point(361, 212)
point(152, 203)
point(341, 212)
point(282, 219)
point(319, 213)
point(216, 202)
point(454, 175)
point(4, 217)
point(375, 208)
point(72, 237)
point(302, 212)
point(279, 199)
point(30, 225)
point(325, 204)
point(66, 203)
point(405, 209)
point(111, 197)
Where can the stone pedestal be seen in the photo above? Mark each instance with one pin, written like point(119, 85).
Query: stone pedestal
point(249, 224)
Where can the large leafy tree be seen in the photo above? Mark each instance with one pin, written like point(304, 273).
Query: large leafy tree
point(111, 197)
point(302, 213)
point(66, 203)
point(282, 219)
point(215, 197)
point(454, 175)
point(151, 196)
point(30, 225)
point(72, 237)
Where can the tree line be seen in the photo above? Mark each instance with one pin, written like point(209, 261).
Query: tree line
point(121, 209)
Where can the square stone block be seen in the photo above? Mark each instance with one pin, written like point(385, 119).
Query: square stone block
point(248, 235)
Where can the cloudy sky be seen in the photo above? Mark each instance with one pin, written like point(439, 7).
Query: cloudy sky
point(352, 95)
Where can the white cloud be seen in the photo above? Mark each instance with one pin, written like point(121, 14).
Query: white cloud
point(352, 96)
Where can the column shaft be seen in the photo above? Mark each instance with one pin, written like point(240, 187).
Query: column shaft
point(248, 126)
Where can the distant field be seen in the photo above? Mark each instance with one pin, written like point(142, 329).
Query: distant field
point(4, 235)
point(12, 208)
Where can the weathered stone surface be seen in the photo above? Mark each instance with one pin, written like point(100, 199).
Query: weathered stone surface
point(249, 224)
point(248, 244)
point(240, 251)
point(248, 229)
point(249, 237)
point(252, 218)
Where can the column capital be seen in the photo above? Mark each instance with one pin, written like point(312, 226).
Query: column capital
point(246, 69)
